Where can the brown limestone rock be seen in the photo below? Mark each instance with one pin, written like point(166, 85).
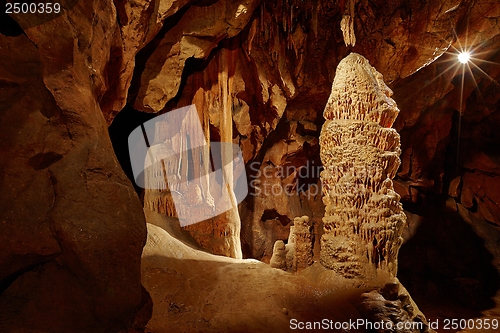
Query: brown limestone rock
point(302, 228)
point(219, 234)
point(71, 225)
point(139, 21)
point(278, 260)
point(360, 152)
point(190, 38)
point(393, 306)
point(482, 189)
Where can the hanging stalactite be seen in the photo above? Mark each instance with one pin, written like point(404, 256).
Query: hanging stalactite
point(347, 23)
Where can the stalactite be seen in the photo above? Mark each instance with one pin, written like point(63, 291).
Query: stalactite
point(360, 154)
point(347, 24)
point(230, 220)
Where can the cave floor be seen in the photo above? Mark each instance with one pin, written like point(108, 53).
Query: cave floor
point(194, 291)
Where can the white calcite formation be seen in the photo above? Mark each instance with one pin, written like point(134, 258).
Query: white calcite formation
point(360, 153)
point(347, 24)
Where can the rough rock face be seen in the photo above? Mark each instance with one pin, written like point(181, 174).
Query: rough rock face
point(302, 230)
point(179, 184)
point(393, 306)
point(190, 37)
point(449, 176)
point(283, 186)
point(68, 263)
point(360, 152)
point(139, 22)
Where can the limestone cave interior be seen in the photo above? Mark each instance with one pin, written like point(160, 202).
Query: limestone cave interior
point(249, 166)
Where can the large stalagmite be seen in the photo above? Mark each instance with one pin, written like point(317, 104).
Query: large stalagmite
point(360, 153)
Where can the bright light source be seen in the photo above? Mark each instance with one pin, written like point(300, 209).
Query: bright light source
point(464, 57)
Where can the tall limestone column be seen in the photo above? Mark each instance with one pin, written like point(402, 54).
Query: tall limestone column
point(360, 153)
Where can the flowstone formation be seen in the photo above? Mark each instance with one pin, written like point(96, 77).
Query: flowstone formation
point(175, 169)
point(180, 182)
point(360, 153)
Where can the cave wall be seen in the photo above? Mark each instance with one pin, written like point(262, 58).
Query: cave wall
point(68, 262)
point(449, 174)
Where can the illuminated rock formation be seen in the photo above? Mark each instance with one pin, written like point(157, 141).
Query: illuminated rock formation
point(278, 260)
point(180, 181)
point(298, 253)
point(360, 153)
point(303, 243)
point(174, 169)
point(347, 24)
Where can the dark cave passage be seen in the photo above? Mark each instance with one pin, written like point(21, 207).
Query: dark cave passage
point(445, 265)
point(123, 124)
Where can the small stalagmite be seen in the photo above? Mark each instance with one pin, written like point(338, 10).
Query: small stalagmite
point(297, 254)
point(360, 154)
point(302, 229)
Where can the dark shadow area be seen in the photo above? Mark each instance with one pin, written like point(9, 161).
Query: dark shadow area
point(8, 26)
point(123, 124)
point(445, 265)
point(272, 214)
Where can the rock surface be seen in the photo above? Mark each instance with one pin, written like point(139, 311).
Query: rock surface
point(191, 37)
point(393, 306)
point(188, 288)
point(68, 263)
point(360, 152)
